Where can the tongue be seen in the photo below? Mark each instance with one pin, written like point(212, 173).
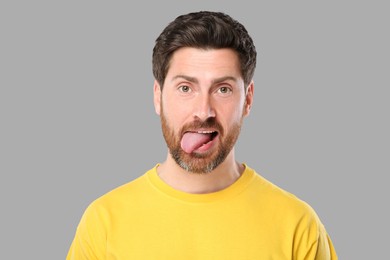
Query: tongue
point(192, 141)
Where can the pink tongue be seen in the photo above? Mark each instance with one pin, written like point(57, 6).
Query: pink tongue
point(192, 141)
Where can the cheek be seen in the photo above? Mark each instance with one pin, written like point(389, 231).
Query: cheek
point(175, 114)
point(232, 112)
point(235, 116)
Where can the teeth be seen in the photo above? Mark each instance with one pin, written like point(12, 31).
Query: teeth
point(205, 132)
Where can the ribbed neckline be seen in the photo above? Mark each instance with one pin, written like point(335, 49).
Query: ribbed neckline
point(237, 187)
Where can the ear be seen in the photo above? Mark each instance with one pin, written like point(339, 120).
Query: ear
point(249, 98)
point(157, 97)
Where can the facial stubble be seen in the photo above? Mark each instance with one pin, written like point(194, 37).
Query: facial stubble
point(200, 162)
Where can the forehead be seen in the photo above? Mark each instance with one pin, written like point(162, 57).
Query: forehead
point(204, 63)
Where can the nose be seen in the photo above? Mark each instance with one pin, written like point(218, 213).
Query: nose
point(204, 108)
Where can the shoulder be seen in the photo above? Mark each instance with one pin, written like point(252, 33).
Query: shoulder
point(116, 198)
point(281, 201)
point(294, 216)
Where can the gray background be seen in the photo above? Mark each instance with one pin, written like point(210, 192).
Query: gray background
point(77, 117)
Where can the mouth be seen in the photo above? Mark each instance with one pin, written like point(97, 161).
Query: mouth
point(199, 140)
point(212, 133)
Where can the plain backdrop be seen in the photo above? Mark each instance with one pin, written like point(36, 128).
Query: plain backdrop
point(77, 116)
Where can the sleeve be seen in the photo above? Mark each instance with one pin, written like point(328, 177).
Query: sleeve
point(89, 242)
point(324, 249)
point(311, 241)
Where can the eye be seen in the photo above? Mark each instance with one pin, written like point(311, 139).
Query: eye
point(184, 89)
point(224, 90)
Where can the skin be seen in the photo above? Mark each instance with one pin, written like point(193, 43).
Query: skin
point(202, 84)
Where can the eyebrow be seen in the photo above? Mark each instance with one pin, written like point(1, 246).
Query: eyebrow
point(194, 80)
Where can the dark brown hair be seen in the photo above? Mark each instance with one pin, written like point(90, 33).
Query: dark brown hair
point(205, 30)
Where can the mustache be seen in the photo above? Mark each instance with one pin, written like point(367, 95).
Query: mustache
point(198, 124)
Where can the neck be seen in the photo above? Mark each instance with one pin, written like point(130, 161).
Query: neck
point(220, 178)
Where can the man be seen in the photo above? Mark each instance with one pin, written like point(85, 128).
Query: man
point(201, 203)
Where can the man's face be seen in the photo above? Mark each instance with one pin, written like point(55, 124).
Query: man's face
point(202, 106)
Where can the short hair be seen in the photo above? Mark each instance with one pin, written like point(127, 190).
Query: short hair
point(204, 30)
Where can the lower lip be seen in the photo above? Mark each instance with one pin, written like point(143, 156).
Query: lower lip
point(206, 147)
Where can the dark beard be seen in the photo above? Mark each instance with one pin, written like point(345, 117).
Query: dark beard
point(200, 162)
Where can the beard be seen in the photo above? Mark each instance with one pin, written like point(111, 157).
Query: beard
point(200, 162)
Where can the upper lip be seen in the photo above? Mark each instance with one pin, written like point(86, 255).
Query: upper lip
point(202, 131)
